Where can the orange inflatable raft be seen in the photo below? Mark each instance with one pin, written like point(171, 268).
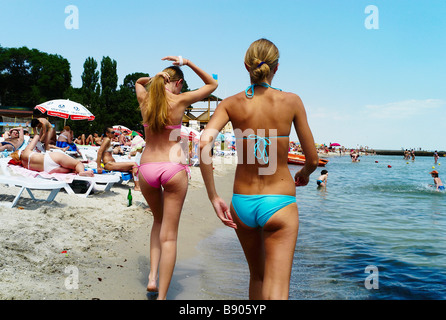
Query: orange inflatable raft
point(300, 159)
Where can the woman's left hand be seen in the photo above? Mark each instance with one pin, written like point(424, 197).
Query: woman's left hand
point(176, 60)
point(300, 179)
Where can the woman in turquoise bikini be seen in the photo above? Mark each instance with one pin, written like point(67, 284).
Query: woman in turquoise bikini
point(263, 209)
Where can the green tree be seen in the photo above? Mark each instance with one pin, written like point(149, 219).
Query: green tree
point(109, 84)
point(29, 77)
point(127, 104)
point(90, 83)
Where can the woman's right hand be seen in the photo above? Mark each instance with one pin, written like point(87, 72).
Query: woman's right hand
point(165, 75)
point(222, 210)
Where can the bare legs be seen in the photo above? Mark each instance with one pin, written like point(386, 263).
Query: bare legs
point(125, 167)
point(69, 164)
point(269, 253)
point(166, 206)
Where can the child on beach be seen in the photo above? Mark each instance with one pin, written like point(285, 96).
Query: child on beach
point(438, 184)
point(322, 180)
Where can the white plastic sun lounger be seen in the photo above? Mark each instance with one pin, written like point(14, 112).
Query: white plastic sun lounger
point(29, 184)
point(102, 182)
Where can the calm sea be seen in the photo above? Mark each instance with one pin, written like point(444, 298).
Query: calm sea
point(374, 233)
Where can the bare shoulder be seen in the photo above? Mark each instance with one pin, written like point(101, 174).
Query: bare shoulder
point(293, 101)
point(234, 100)
point(292, 98)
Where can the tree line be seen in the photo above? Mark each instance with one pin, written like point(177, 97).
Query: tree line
point(29, 77)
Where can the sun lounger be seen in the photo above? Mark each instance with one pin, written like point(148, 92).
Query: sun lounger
point(102, 182)
point(31, 184)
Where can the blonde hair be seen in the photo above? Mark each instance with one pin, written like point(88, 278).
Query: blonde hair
point(16, 156)
point(156, 115)
point(261, 57)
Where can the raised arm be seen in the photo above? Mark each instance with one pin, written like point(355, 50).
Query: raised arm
point(210, 84)
point(32, 144)
point(140, 88)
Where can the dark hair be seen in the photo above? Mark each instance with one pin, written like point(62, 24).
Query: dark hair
point(106, 130)
point(324, 172)
point(37, 113)
point(34, 123)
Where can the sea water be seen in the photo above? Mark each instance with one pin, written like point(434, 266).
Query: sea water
point(375, 232)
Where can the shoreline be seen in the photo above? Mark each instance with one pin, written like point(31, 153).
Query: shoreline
point(99, 242)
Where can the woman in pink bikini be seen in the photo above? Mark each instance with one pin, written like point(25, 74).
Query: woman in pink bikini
point(163, 173)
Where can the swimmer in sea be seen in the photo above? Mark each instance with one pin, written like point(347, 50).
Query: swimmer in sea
point(322, 180)
point(438, 183)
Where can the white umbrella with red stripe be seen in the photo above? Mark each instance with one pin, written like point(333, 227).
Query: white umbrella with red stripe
point(65, 109)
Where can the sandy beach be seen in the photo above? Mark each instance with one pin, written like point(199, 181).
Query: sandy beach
point(98, 248)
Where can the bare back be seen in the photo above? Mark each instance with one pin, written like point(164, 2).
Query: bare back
point(164, 146)
point(270, 113)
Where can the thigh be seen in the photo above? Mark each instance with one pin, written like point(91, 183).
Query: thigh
point(64, 160)
point(280, 235)
point(120, 166)
point(154, 198)
point(251, 240)
point(174, 194)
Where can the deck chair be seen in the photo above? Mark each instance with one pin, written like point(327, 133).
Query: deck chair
point(29, 184)
point(102, 182)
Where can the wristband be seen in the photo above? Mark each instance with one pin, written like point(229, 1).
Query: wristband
point(181, 61)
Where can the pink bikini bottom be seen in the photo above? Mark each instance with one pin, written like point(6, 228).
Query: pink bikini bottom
point(159, 173)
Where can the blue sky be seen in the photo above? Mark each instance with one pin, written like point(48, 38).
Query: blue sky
point(384, 88)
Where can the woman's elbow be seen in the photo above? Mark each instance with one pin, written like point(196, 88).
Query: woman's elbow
point(312, 163)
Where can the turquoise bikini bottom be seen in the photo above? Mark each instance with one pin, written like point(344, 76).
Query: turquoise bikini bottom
point(256, 209)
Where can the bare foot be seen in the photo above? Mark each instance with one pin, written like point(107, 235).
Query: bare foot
point(151, 287)
point(88, 173)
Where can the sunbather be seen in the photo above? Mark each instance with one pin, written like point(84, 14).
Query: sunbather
point(105, 155)
point(13, 140)
point(65, 141)
point(50, 162)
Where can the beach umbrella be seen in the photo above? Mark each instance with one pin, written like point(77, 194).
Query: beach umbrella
point(136, 133)
point(192, 134)
point(65, 109)
point(335, 144)
point(122, 129)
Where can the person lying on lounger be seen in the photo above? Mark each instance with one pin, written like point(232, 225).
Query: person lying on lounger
point(13, 140)
point(50, 162)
